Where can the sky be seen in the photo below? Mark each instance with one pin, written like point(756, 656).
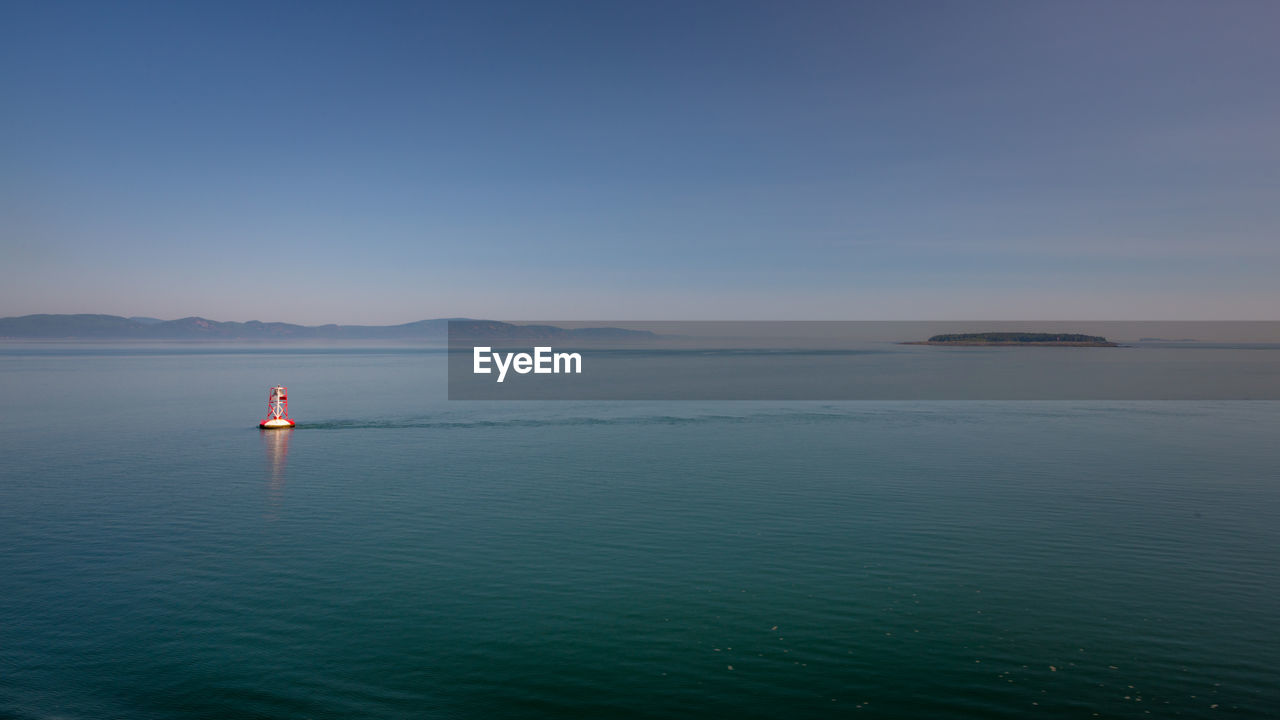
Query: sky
point(380, 162)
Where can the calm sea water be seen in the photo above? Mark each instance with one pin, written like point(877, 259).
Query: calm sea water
point(401, 556)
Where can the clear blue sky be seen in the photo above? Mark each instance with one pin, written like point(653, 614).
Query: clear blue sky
point(385, 162)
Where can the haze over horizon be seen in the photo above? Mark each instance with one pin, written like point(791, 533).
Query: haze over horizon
point(342, 163)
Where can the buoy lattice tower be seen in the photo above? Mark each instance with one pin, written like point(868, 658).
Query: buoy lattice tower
point(277, 410)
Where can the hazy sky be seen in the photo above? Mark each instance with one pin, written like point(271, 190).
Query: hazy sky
point(384, 162)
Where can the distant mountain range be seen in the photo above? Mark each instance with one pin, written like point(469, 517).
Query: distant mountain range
point(114, 327)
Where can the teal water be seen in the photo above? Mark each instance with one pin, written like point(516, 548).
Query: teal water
point(401, 556)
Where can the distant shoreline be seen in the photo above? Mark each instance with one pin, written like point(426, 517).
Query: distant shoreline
point(978, 343)
point(1015, 339)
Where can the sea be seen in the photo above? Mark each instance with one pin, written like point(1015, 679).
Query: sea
point(401, 555)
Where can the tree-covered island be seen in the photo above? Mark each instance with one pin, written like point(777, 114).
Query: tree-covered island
point(1018, 338)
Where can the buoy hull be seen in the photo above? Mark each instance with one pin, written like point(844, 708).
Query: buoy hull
point(276, 424)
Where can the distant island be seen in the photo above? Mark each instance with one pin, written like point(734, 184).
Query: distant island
point(114, 327)
point(1017, 339)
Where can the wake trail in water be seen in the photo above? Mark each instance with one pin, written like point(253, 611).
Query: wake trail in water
point(437, 423)
point(887, 413)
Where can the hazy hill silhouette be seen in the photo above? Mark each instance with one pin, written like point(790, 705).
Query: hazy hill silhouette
point(113, 327)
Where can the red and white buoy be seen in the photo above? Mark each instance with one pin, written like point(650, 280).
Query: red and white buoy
point(277, 410)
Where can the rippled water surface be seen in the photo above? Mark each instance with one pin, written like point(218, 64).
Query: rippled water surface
point(401, 556)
